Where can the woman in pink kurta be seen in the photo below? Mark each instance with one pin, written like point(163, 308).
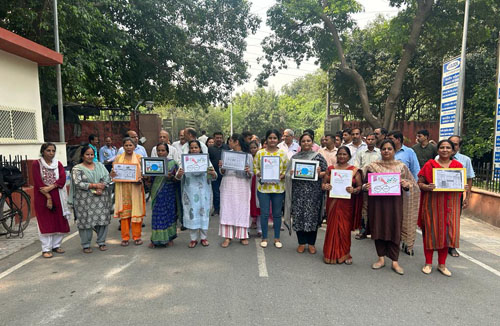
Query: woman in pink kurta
point(235, 193)
point(50, 200)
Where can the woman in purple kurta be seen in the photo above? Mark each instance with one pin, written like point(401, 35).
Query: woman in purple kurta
point(50, 200)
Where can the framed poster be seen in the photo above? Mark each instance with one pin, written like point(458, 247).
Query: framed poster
point(340, 180)
point(193, 163)
point(384, 184)
point(270, 169)
point(232, 160)
point(154, 166)
point(126, 172)
point(305, 170)
point(449, 179)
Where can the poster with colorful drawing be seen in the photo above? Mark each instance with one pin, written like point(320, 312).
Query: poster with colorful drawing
point(340, 180)
point(194, 163)
point(384, 184)
point(270, 169)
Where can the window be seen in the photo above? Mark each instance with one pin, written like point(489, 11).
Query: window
point(17, 125)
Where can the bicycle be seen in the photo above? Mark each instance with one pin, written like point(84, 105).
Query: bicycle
point(15, 209)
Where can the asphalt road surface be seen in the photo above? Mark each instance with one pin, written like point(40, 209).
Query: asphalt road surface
point(242, 285)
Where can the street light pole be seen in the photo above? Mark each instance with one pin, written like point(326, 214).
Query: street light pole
point(60, 111)
point(461, 83)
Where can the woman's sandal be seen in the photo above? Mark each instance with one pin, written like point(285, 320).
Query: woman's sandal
point(427, 269)
point(124, 243)
point(444, 271)
point(348, 261)
point(59, 250)
point(204, 243)
point(244, 242)
point(103, 247)
point(47, 254)
point(192, 244)
point(263, 243)
point(138, 242)
point(453, 252)
point(151, 245)
point(312, 249)
point(87, 250)
point(226, 243)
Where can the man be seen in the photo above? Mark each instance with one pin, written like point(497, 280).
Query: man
point(356, 143)
point(424, 149)
point(322, 142)
point(93, 143)
point(189, 135)
point(404, 153)
point(346, 136)
point(247, 136)
point(215, 153)
point(178, 144)
point(329, 152)
point(381, 134)
point(467, 164)
point(365, 156)
point(107, 153)
point(315, 147)
point(173, 154)
point(203, 138)
point(139, 149)
point(288, 144)
point(338, 139)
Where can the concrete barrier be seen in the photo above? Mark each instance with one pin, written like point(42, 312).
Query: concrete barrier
point(485, 205)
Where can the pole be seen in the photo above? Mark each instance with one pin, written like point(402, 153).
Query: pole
point(327, 94)
point(461, 84)
point(60, 111)
point(231, 108)
point(496, 164)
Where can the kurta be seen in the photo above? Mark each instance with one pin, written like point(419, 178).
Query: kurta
point(90, 209)
point(196, 200)
point(342, 216)
point(166, 208)
point(439, 214)
point(307, 198)
point(130, 201)
point(49, 221)
point(235, 194)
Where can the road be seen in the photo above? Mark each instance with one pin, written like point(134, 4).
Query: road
point(243, 285)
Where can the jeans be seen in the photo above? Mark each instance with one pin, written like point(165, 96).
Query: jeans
point(276, 200)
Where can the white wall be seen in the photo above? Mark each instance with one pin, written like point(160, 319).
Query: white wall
point(32, 151)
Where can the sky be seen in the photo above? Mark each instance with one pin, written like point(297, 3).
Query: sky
point(372, 8)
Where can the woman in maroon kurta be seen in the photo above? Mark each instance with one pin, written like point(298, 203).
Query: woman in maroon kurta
point(50, 200)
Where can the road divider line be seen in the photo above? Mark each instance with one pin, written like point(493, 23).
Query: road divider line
point(30, 259)
point(475, 261)
point(261, 259)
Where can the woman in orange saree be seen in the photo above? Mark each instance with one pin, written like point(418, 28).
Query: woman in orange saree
point(344, 215)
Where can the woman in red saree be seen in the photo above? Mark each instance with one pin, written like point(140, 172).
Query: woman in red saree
point(344, 215)
point(439, 214)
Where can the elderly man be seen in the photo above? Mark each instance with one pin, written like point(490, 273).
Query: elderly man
point(139, 149)
point(329, 152)
point(189, 135)
point(173, 154)
point(288, 144)
point(178, 144)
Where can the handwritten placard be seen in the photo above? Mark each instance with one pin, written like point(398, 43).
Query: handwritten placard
point(270, 169)
point(232, 160)
point(126, 172)
point(340, 180)
point(194, 163)
point(384, 184)
point(450, 179)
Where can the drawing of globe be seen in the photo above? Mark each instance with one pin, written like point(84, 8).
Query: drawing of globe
point(304, 171)
point(154, 167)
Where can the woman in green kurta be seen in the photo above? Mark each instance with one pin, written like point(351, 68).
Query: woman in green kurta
point(165, 204)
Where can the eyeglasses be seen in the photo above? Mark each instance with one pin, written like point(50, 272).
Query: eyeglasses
point(376, 134)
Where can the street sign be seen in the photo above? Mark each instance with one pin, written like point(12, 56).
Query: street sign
point(449, 91)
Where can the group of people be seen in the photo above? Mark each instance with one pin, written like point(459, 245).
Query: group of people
point(243, 200)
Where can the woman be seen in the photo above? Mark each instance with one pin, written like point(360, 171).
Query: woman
point(210, 142)
point(304, 199)
point(344, 215)
point(235, 193)
point(439, 215)
point(130, 203)
point(90, 198)
point(254, 204)
point(271, 194)
point(165, 203)
point(197, 198)
point(51, 208)
point(385, 213)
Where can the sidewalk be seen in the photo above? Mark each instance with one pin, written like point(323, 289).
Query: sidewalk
point(475, 231)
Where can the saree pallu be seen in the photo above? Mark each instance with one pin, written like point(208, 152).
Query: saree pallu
point(165, 203)
point(344, 216)
point(130, 201)
point(439, 214)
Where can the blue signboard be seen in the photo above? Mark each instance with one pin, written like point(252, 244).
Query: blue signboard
point(449, 92)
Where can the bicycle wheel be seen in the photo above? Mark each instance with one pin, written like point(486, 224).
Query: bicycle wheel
point(16, 211)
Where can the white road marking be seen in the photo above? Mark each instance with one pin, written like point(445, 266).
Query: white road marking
point(261, 259)
point(475, 261)
point(30, 259)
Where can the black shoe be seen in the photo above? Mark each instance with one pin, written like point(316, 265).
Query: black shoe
point(183, 228)
point(143, 224)
point(453, 252)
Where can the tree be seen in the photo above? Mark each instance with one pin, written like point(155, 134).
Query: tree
point(119, 51)
point(309, 28)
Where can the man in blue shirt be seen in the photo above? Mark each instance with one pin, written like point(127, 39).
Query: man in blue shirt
point(139, 149)
point(405, 154)
point(93, 143)
point(107, 153)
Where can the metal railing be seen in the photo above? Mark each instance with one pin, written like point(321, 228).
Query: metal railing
point(485, 178)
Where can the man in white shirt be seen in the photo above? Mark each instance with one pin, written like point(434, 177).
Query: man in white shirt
point(346, 136)
point(288, 145)
point(178, 144)
point(203, 138)
point(189, 135)
point(139, 149)
point(356, 143)
point(173, 154)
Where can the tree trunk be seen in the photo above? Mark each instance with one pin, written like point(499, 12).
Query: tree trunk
point(423, 11)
